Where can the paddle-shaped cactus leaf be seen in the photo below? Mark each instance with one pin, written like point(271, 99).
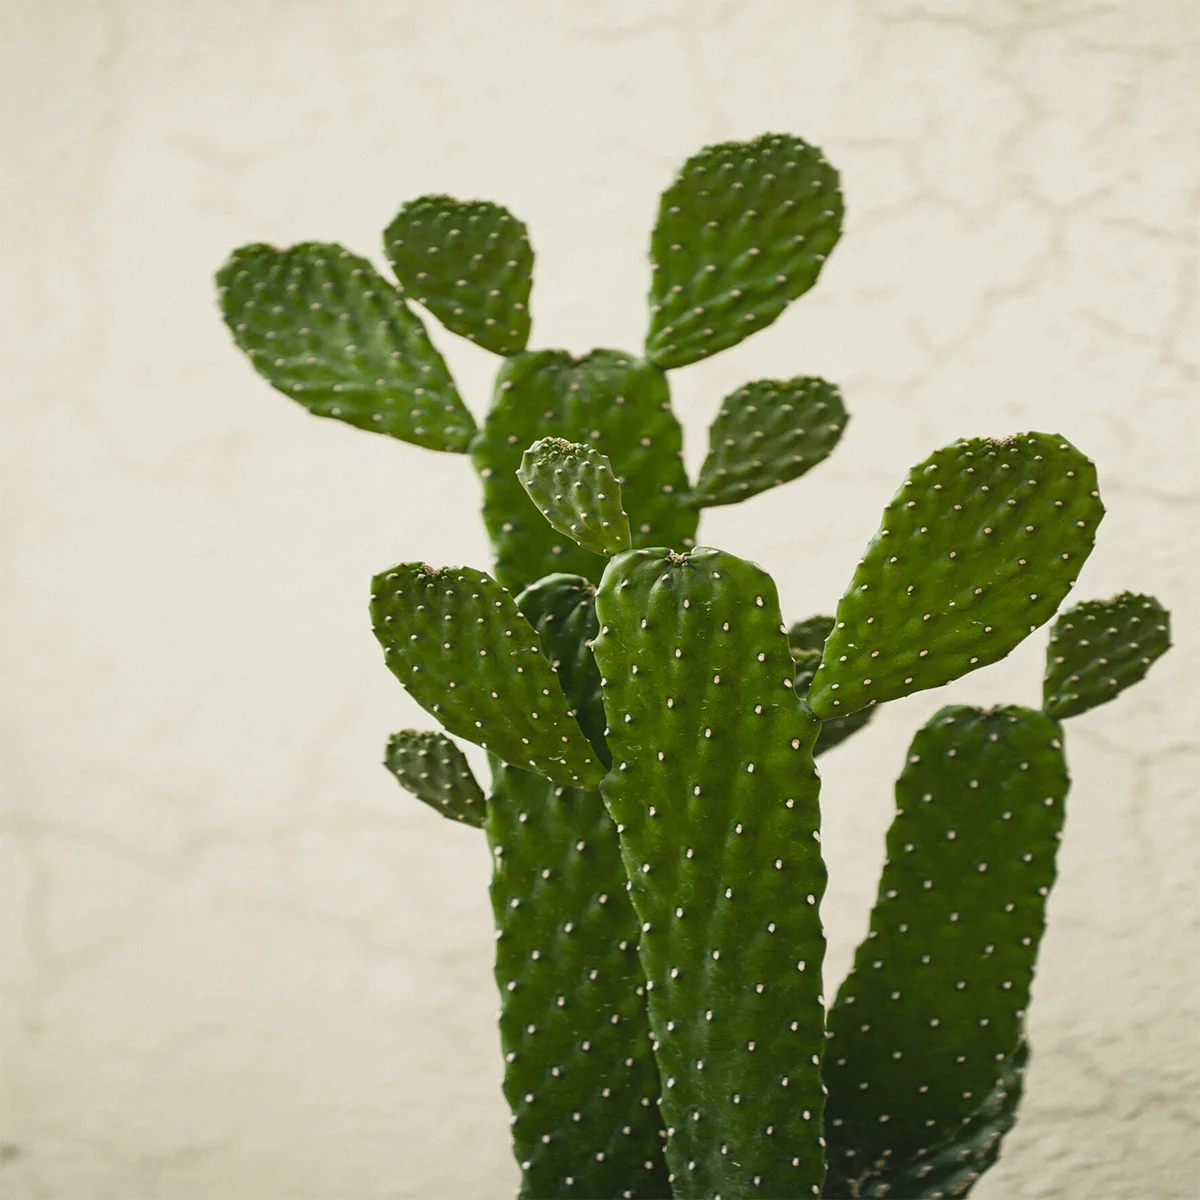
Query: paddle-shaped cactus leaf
point(951, 1169)
point(436, 771)
point(976, 550)
point(766, 433)
point(470, 264)
point(714, 793)
point(743, 231)
point(806, 639)
point(562, 609)
point(1099, 648)
point(934, 1004)
point(618, 404)
point(579, 1072)
point(455, 640)
point(322, 326)
point(575, 489)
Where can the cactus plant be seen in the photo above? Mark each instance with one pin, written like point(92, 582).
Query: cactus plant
point(652, 722)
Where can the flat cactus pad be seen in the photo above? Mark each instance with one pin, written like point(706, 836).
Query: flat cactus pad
point(430, 766)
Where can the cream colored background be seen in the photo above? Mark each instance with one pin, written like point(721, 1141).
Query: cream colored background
point(238, 962)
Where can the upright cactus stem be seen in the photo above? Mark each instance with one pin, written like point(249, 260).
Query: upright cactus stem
point(652, 724)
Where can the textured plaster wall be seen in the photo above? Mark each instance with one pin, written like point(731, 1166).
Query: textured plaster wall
point(238, 963)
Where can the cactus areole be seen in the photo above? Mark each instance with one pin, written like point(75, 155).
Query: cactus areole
point(652, 721)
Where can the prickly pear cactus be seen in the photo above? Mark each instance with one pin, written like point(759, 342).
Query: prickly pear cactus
point(652, 723)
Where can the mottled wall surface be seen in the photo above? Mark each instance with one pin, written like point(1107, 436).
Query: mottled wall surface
point(238, 963)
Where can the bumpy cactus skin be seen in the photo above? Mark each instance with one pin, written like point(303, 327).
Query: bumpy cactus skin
point(652, 724)
point(715, 797)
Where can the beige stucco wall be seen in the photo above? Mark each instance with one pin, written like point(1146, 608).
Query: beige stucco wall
point(240, 964)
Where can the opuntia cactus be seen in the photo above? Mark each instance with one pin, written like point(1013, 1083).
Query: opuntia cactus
point(652, 722)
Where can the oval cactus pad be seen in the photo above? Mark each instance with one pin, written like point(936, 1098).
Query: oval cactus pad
point(455, 640)
point(575, 489)
point(743, 231)
point(976, 550)
point(325, 328)
point(714, 792)
point(767, 433)
point(1099, 648)
point(469, 263)
point(430, 766)
point(935, 1002)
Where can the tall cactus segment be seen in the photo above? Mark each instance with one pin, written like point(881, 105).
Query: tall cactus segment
point(562, 609)
point(807, 638)
point(1099, 648)
point(322, 326)
point(435, 770)
point(935, 1002)
point(574, 488)
point(766, 433)
point(470, 263)
point(714, 793)
point(977, 549)
point(579, 1072)
point(744, 230)
point(455, 640)
point(618, 404)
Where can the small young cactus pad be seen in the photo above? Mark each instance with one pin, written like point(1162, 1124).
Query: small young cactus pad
point(976, 550)
point(470, 264)
point(562, 608)
point(743, 231)
point(767, 433)
point(436, 771)
point(574, 488)
point(1099, 648)
point(455, 640)
point(322, 326)
point(579, 1071)
point(936, 1000)
point(714, 793)
point(615, 402)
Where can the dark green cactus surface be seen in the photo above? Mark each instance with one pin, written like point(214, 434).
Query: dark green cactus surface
point(325, 328)
point(935, 1003)
point(435, 770)
point(767, 433)
point(575, 489)
point(618, 404)
point(952, 1168)
point(455, 640)
point(562, 609)
point(978, 548)
point(579, 1073)
point(714, 793)
point(1099, 648)
point(469, 263)
point(743, 231)
point(806, 639)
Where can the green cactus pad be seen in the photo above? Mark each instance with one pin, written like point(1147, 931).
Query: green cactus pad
point(806, 639)
point(470, 264)
point(767, 433)
point(579, 1072)
point(952, 1168)
point(455, 640)
point(1099, 648)
point(935, 1001)
point(322, 326)
point(615, 402)
point(562, 609)
point(714, 793)
point(976, 550)
point(742, 232)
point(436, 771)
point(575, 489)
